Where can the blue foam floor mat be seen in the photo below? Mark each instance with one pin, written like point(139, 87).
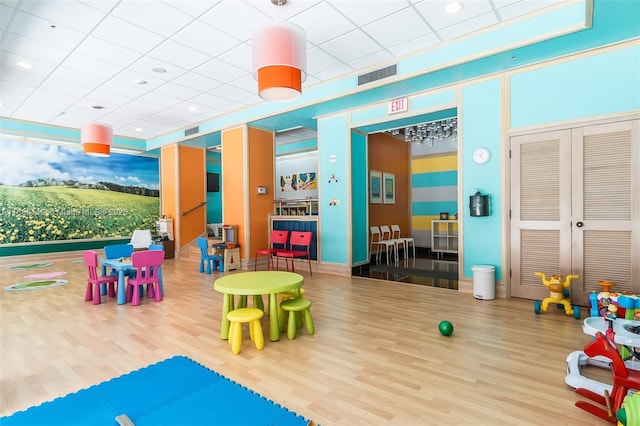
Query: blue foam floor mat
point(176, 391)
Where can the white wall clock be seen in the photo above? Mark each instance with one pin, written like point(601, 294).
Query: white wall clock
point(481, 155)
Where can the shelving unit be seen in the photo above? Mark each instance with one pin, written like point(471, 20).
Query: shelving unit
point(296, 207)
point(444, 236)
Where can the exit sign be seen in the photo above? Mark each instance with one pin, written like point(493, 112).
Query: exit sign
point(398, 105)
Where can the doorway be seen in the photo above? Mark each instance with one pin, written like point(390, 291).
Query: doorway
point(575, 208)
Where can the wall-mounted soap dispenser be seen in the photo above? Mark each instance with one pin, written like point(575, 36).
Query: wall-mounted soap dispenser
point(479, 204)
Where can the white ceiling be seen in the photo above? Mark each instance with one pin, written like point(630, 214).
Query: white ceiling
point(94, 52)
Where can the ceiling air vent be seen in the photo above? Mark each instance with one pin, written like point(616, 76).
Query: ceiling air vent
point(192, 131)
point(377, 74)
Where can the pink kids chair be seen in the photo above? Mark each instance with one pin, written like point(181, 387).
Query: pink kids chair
point(94, 280)
point(147, 264)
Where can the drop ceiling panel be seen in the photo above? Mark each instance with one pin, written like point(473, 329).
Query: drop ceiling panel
point(32, 48)
point(372, 60)
point(109, 52)
point(42, 68)
point(241, 56)
point(176, 91)
point(205, 38)
point(220, 70)
point(79, 77)
point(178, 54)
point(66, 87)
point(197, 82)
point(362, 13)
point(412, 24)
point(435, 14)
point(146, 64)
point(237, 18)
point(91, 66)
point(319, 60)
point(40, 29)
point(159, 18)
point(74, 15)
point(194, 8)
point(127, 35)
point(342, 46)
point(323, 23)
point(416, 45)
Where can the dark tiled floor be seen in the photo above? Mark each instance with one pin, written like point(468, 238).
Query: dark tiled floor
point(424, 269)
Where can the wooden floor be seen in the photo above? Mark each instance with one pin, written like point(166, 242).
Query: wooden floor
point(377, 357)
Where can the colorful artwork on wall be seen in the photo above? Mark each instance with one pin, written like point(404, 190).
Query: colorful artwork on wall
point(389, 188)
point(55, 193)
point(375, 187)
point(298, 182)
point(307, 181)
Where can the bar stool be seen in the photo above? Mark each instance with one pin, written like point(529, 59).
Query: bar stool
point(245, 315)
point(292, 306)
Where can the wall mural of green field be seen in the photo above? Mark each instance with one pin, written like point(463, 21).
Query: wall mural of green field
point(53, 193)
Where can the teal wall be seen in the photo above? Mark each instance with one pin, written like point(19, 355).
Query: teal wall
point(296, 147)
point(359, 199)
point(481, 127)
point(214, 199)
point(334, 157)
point(596, 85)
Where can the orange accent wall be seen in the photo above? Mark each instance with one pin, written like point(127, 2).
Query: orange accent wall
point(192, 169)
point(169, 187)
point(390, 155)
point(233, 182)
point(261, 173)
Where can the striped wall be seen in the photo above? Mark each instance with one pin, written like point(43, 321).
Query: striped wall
point(434, 190)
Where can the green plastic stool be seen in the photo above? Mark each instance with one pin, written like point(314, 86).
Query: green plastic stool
point(292, 306)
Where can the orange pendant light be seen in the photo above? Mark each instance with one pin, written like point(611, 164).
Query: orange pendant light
point(96, 139)
point(279, 61)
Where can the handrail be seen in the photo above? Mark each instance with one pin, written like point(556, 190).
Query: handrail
point(202, 203)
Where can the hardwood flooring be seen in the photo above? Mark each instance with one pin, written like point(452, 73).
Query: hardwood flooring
point(377, 357)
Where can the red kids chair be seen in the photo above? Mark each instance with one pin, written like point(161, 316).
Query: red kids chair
point(277, 242)
point(624, 379)
point(299, 248)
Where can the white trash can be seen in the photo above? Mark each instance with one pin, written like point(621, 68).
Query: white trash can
point(484, 282)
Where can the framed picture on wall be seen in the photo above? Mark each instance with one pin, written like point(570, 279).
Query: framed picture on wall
point(389, 188)
point(375, 187)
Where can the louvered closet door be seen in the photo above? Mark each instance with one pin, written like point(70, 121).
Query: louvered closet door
point(575, 209)
point(606, 207)
point(540, 210)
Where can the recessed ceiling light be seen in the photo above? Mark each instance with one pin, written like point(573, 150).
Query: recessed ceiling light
point(193, 108)
point(454, 7)
point(159, 70)
point(24, 64)
point(138, 129)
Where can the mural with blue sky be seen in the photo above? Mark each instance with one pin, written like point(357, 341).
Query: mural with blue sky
point(25, 161)
point(57, 193)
